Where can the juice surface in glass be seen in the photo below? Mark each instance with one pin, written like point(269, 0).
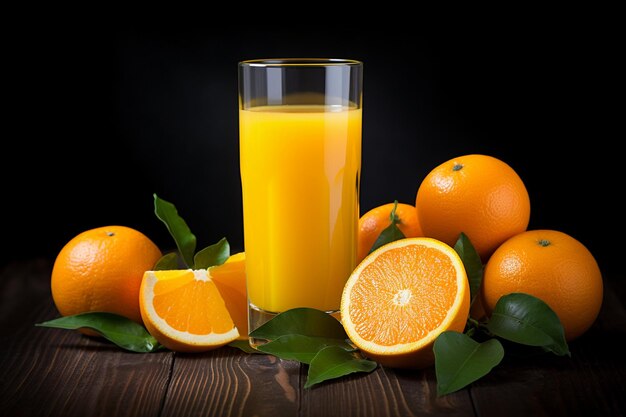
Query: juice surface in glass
point(300, 169)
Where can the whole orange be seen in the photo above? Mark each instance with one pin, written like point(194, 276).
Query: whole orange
point(552, 266)
point(101, 270)
point(372, 223)
point(478, 195)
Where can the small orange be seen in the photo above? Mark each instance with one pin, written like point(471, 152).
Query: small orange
point(101, 270)
point(184, 311)
point(372, 223)
point(552, 266)
point(230, 279)
point(479, 195)
point(401, 297)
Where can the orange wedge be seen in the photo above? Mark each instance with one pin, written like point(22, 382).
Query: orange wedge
point(230, 279)
point(401, 297)
point(184, 310)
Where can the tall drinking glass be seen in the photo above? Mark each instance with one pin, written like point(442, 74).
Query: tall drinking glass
point(300, 162)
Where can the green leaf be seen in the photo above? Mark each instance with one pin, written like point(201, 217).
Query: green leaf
point(244, 345)
point(333, 362)
point(185, 240)
point(390, 233)
point(212, 255)
point(303, 321)
point(314, 337)
point(301, 348)
point(460, 360)
point(167, 262)
point(525, 319)
point(472, 263)
point(124, 332)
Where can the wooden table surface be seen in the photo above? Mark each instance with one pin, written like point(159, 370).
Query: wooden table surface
point(51, 372)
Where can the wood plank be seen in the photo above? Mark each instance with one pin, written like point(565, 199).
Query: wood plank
point(62, 373)
point(52, 372)
point(588, 383)
point(24, 287)
point(384, 392)
point(228, 382)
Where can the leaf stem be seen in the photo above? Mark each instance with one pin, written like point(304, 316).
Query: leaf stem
point(392, 216)
point(473, 325)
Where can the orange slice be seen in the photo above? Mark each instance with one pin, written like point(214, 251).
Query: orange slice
point(401, 297)
point(184, 310)
point(230, 279)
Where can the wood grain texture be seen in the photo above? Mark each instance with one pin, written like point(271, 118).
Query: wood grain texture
point(384, 392)
point(52, 372)
point(228, 382)
point(24, 291)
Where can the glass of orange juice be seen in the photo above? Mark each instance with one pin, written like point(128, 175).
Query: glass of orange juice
point(300, 162)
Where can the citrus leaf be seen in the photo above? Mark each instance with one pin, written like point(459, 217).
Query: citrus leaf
point(525, 319)
point(212, 255)
point(185, 240)
point(472, 263)
point(460, 360)
point(244, 346)
point(333, 362)
point(303, 321)
point(167, 262)
point(299, 347)
point(391, 233)
point(124, 332)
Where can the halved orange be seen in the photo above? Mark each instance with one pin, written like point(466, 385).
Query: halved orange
point(184, 311)
point(230, 278)
point(401, 297)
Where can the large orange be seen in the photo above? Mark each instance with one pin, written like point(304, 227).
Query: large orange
point(372, 223)
point(552, 266)
point(401, 297)
point(476, 194)
point(101, 270)
point(184, 310)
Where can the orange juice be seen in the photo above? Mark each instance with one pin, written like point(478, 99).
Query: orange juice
point(300, 178)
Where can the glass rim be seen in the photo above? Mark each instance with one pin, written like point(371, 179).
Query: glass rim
point(300, 62)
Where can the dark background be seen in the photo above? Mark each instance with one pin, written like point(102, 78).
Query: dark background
point(105, 115)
